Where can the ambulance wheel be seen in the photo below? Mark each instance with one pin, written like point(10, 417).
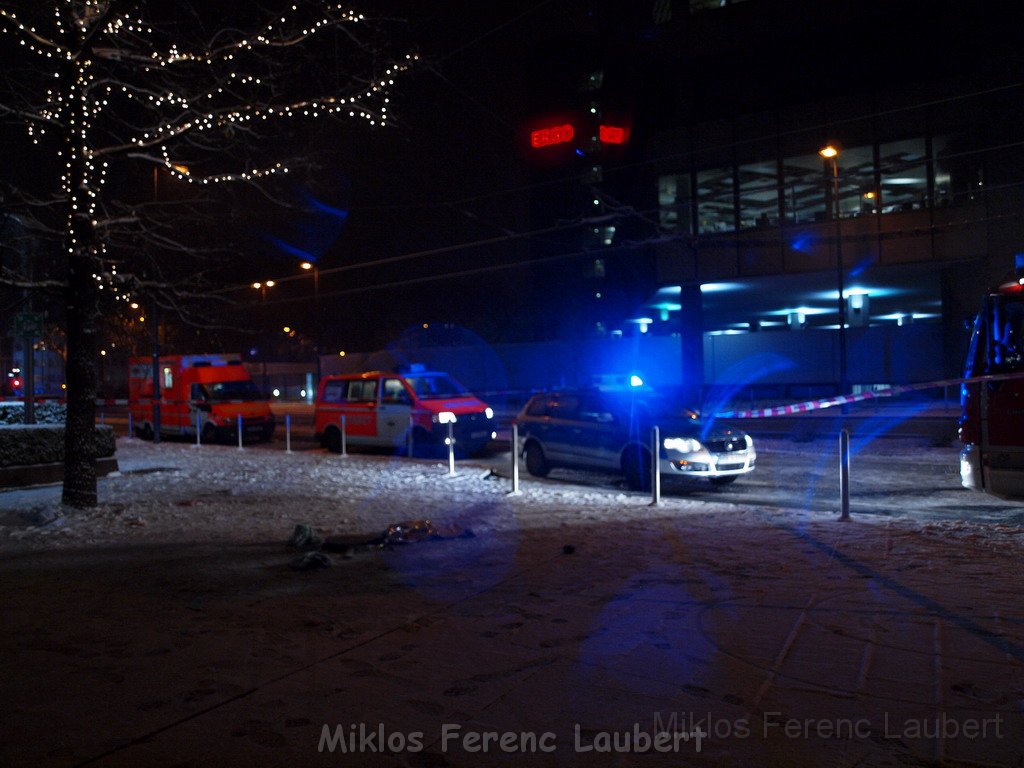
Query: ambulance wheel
point(332, 440)
point(146, 433)
point(209, 434)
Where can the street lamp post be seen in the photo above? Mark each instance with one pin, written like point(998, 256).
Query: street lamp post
point(262, 288)
point(831, 154)
point(311, 267)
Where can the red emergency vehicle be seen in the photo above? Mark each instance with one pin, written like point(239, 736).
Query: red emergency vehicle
point(199, 392)
point(992, 409)
point(384, 408)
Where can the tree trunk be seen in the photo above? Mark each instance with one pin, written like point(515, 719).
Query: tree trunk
point(82, 302)
point(79, 429)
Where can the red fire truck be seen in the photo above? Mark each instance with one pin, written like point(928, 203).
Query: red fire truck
point(199, 392)
point(992, 418)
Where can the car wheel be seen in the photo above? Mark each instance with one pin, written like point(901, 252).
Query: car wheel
point(721, 481)
point(424, 446)
point(332, 440)
point(636, 466)
point(536, 463)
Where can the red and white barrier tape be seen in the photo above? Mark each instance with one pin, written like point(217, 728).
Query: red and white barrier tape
point(813, 405)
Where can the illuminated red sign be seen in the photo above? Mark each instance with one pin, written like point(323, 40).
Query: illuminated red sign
point(560, 134)
point(611, 134)
point(557, 134)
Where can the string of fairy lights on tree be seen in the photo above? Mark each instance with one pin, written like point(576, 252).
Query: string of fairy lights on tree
point(123, 67)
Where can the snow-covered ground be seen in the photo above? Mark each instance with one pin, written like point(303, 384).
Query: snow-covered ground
point(165, 627)
point(175, 492)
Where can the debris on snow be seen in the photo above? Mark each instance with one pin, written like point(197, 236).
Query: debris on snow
point(304, 537)
point(311, 561)
point(423, 530)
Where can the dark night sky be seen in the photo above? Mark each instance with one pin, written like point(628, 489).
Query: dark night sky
point(445, 173)
point(454, 169)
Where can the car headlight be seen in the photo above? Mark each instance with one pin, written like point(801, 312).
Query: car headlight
point(682, 444)
point(489, 413)
point(444, 417)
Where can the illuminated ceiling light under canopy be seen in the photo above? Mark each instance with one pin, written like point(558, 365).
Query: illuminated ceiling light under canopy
point(913, 315)
point(720, 287)
point(801, 310)
point(858, 290)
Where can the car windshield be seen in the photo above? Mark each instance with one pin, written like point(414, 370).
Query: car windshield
point(648, 406)
point(232, 390)
point(436, 386)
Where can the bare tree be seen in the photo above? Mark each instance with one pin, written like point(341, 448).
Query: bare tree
point(110, 92)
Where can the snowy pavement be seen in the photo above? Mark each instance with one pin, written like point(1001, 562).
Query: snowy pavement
point(166, 627)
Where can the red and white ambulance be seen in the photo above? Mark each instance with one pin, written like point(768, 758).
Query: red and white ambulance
point(384, 409)
point(207, 393)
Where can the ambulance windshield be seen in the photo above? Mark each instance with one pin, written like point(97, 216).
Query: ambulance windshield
point(232, 390)
point(436, 386)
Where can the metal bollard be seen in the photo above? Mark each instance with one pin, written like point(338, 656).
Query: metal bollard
point(288, 433)
point(451, 451)
point(844, 475)
point(655, 467)
point(408, 439)
point(199, 427)
point(102, 420)
point(515, 460)
point(240, 432)
point(344, 438)
point(131, 429)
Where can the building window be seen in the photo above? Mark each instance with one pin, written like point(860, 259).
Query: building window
point(942, 170)
point(759, 195)
point(885, 178)
point(904, 173)
point(715, 204)
point(674, 203)
point(857, 186)
point(805, 185)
